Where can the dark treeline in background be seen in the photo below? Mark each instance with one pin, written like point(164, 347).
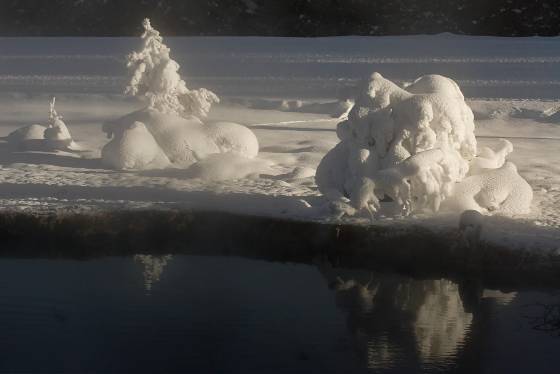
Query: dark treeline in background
point(280, 17)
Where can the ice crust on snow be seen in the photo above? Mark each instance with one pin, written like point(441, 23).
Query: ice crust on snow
point(169, 131)
point(415, 146)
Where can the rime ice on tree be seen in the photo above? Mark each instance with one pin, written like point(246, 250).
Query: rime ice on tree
point(57, 133)
point(155, 76)
point(415, 147)
point(169, 132)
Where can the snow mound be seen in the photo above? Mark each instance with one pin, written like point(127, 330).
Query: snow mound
point(501, 191)
point(169, 132)
point(490, 159)
point(227, 166)
point(25, 133)
point(183, 141)
point(232, 137)
point(412, 147)
point(54, 136)
point(135, 148)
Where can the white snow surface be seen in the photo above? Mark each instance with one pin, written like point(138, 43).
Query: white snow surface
point(289, 93)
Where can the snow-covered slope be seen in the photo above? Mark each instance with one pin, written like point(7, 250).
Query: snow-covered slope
point(286, 91)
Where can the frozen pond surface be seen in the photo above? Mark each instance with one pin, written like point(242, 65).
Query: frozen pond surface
point(181, 313)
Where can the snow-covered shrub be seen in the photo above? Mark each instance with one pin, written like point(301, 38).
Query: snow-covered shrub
point(412, 146)
point(38, 137)
point(171, 123)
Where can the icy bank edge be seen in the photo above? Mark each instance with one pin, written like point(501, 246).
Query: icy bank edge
point(409, 248)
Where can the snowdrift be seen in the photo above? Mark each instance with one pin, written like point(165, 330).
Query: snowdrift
point(54, 136)
point(149, 139)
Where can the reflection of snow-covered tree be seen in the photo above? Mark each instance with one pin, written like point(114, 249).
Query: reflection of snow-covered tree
point(394, 318)
point(441, 321)
point(153, 268)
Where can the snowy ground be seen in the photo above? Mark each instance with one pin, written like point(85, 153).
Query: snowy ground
point(512, 85)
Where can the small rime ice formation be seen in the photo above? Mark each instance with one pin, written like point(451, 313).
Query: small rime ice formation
point(500, 190)
point(169, 128)
point(38, 137)
point(57, 134)
point(415, 146)
point(490, 159)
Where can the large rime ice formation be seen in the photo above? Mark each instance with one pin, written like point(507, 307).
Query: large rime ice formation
point(54, 136)
point(414, 147)
point(168, 132)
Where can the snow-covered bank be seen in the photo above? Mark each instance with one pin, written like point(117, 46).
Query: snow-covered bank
point(294, 123)
point(292, 144)
point(405, 248)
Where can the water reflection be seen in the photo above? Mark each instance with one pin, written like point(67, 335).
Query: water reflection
point(396, 320)
point(153, 268)
point(230, 314)
point(441, 322)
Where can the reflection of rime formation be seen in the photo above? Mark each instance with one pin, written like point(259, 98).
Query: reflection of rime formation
point(391, 316)
point(153, 268)
point(441, 320)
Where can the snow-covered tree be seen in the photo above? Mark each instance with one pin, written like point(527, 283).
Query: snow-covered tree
point(155, 76)
point(169, 131)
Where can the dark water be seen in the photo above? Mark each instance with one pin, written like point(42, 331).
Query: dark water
point(224, 314)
